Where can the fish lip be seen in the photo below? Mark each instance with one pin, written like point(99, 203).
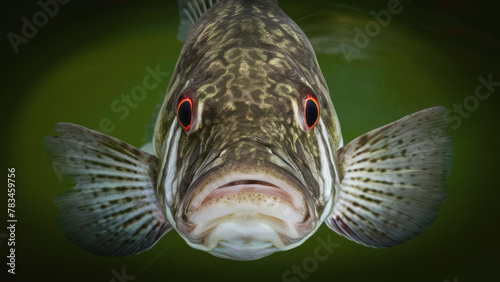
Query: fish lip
point(209, 185)
point(246, 184)
point(195, 189)
point(240, 186)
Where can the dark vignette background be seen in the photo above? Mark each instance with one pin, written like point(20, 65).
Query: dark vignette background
point(91, 52)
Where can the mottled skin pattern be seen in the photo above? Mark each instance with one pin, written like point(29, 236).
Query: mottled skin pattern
point(246, 175)
point(249, 66)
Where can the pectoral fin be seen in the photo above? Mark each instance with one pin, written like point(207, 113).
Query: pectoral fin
point(393, 180)
point(112, 210)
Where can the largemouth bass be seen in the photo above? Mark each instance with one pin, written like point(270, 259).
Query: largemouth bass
point(247, 156)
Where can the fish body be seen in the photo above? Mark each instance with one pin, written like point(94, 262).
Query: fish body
point(247, 155)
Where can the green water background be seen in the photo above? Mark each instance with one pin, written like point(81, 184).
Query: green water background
point(90, 53)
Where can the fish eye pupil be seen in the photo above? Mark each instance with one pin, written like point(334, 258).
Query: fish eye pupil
point(185, 113)
point(311, 113)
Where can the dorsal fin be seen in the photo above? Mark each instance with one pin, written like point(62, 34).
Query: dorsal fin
point(189, 12)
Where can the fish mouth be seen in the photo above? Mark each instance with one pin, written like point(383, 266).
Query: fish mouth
point(246, 214)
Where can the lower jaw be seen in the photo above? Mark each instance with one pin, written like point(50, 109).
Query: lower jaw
point(241, 240)
point(248, 236)
point(244, 251)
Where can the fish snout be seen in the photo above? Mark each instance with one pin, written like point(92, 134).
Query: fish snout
point(246, 210)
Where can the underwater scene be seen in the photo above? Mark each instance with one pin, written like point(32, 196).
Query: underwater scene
point(106, 65)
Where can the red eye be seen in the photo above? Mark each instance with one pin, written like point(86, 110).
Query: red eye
point(311, 111)
point(185, 113)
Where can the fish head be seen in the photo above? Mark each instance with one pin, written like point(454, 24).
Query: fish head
point(250, 175)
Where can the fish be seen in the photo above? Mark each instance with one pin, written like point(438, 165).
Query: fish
point(247, 156)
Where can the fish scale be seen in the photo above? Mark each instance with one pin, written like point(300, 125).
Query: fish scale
point(243, 172)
